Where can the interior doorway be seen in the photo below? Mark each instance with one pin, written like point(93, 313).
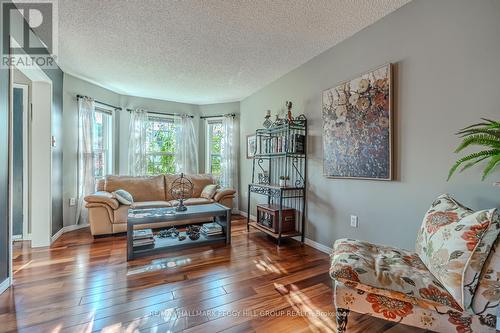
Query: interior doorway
point(21, 101)
point(30, 161)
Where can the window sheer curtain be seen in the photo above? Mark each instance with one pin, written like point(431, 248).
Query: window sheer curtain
point(229, 153)
point(137, 154)
point(86, 180)
point(186, 145)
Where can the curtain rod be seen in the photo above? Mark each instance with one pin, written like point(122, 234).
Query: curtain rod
point(130, 110)
point(165, 114)
point(111, 106)
point(220, 115)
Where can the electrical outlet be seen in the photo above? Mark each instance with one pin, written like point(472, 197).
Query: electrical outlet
point(354, 221)
point(72, 201)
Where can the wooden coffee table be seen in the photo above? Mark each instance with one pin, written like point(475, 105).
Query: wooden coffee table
point(213, 212)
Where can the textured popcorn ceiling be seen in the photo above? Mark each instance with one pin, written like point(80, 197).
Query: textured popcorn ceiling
point(202, 51)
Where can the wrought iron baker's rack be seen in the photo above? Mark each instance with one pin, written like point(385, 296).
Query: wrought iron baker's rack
point(271, 162)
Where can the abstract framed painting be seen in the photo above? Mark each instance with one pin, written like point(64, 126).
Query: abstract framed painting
point(357, 127)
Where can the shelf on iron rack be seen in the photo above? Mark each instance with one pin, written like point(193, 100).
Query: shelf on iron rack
point(277, 187)
point(287, 234)
point(277, 155)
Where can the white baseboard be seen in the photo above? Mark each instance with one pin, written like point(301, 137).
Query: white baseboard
point(242, 213)
point(307, 241)
point(4, 285)
point(66, 229)
point(318, 246)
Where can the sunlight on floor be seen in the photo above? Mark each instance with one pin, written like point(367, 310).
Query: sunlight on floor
point(318, 320)
point(267, 266)
point(154, 319)
point(22, 267)
point(165, 264)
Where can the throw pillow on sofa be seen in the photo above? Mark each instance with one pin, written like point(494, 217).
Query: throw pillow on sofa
point(123, 197)
point(209, 191)
point(452, 243)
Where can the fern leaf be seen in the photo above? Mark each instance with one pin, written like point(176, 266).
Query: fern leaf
point(492, 123)
point(491, 152)
point(481, 140)
point(472, 163)
point(477, 125)
point(495, 160)
point(488, 131)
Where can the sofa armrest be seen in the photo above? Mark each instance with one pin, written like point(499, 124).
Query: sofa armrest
point(104, 198)
point(224, 192)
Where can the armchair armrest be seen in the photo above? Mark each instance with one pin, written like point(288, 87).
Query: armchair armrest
point(104, 198)
point(224, 192)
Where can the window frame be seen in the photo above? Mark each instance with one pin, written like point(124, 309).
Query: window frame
point(169, 119)
point(208, 143)
point(110, 140)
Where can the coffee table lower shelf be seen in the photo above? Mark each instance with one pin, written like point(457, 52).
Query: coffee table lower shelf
point(287, 234)
point(162, 244)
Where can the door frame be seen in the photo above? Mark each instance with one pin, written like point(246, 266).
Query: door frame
point(26, 108)
point(35, 74)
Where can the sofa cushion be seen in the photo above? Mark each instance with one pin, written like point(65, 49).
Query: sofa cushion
point(123, 197)
point(448, 238)
point(387, 271)
point(209, 191)
point(141, 188)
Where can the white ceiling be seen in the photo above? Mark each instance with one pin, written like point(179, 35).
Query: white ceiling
point(202, 51)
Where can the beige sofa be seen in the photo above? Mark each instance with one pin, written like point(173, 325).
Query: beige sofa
point(108, 216)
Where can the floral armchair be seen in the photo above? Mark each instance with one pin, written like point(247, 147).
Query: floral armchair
point(450, 284)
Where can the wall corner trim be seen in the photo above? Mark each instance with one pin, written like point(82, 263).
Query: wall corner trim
point(4, 285)
point(307, 241)
point(66, 229)
point(242, 213)
point(318, 246)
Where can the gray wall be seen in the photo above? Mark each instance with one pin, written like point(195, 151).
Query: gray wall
point(214, 110)
point(56, 75)
point(447, 56)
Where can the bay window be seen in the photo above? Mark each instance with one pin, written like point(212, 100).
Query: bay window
point(160, 145)
point(103, 143)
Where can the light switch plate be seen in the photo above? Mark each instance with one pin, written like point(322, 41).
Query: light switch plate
point(72, 201)
point(354, 221)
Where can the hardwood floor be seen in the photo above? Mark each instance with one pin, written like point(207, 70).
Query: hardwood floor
point(84, 285)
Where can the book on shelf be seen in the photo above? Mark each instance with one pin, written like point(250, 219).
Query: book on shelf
point(298, 143)
point(143, 242)
point(294, 143)
point(144, 247)
point(143, 233)
point(211, 229)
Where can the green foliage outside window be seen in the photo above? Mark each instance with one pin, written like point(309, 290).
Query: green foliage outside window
point(216, 133)
point(160, 142)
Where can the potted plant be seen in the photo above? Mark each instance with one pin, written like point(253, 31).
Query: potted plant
point(283, 180)
point(485, 134)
